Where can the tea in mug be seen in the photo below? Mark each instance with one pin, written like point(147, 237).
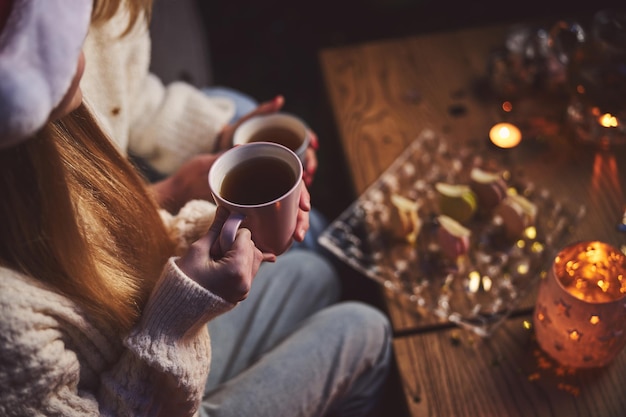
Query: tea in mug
point(278, 134)
point(257, 181)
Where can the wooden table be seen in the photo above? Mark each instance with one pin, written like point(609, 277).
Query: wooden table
point(383, 94)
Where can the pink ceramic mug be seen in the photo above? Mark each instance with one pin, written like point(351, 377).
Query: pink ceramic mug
point(259, 184)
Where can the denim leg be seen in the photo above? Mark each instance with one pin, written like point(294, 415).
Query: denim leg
point(334, 364)
point(283, 294)
point(317, 224)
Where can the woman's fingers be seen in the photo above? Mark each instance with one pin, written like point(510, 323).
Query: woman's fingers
point(302, 222)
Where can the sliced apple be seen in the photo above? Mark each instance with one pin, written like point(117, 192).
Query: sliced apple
point(456, 201)
point(453, 237)
point(404, 219)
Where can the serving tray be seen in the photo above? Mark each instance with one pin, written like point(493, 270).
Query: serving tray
point(477, 290)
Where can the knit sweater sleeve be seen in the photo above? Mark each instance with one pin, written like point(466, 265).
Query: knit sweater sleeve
point(55, 362)
point(164, 124)
point(170, 124)
point(167, 364)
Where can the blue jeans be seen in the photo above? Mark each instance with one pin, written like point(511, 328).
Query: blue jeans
point(291, 349)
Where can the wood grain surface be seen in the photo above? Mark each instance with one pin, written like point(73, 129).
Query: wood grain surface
point(454, 373)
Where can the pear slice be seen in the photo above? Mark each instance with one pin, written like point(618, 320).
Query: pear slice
point(404, 219)
point(456, 201)
point(453, 237)
point(489, 187)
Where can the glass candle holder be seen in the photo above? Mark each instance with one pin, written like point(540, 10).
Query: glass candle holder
point(594, 126)
point(580, 313)
point(597, 80)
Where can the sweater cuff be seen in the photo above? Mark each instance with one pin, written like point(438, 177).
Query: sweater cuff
point(180, 306)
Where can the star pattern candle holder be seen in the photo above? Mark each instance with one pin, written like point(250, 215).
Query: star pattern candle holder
point(580, 313)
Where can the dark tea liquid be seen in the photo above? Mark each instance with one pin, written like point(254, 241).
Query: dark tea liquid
point(257, 181)
point(277, 134)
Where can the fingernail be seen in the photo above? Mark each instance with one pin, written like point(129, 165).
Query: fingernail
point(314, 144)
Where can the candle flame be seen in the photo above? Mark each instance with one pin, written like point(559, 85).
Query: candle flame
point(608, 120)
point(505, 135)
point(592, 271)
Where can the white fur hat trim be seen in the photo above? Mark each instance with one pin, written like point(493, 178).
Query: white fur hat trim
point(39, 49)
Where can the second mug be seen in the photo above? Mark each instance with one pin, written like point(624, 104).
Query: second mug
point(282, 128)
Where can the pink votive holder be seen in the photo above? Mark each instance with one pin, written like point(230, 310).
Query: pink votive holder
point(580, 313)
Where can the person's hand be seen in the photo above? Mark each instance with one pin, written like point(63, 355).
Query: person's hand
point(225, 138)
point(228, 275)
point(310, 159)
point(188, 183)
point(302, 223)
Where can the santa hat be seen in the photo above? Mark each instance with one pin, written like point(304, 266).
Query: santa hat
point(40, 44)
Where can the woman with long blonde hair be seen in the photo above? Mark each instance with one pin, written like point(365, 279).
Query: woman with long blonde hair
point(105, 298)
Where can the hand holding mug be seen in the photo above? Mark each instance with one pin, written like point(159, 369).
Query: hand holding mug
point(187, 183)
point(229, 276)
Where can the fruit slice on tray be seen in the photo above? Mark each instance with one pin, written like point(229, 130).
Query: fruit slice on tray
point(489, 187)
point(517, 213)
point(453, 237)
point(456, 201)
point(404, 219)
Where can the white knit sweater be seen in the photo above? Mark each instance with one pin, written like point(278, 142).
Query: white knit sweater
point(163, 124)
point(55, 361)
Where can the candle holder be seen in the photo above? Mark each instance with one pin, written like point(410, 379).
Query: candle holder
point(580, 314)
point(597, 82)
point(594, 126)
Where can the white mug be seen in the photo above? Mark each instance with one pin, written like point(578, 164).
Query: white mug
point(260, 185)
point(282, 128)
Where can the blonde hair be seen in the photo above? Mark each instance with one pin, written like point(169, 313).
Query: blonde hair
point(104, 10)
point(77, 216)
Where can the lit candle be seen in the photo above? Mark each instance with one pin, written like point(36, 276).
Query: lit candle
point(505, 135)
point(608, 120)
point(593, 272)
point(580, 319)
